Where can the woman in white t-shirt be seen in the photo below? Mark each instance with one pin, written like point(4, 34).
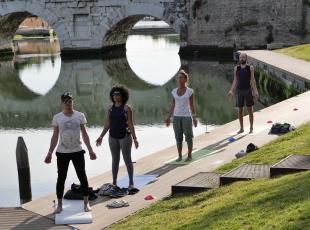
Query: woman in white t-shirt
point(183, 113)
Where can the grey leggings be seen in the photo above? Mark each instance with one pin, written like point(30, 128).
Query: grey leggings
point(183, 125)
point(116, 145)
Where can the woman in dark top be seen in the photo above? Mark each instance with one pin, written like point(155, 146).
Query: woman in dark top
point(119, 123)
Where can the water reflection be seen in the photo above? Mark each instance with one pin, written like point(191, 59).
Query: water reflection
point(91, 80)
point(38, 73)
point(155, 60)
point(36, 46)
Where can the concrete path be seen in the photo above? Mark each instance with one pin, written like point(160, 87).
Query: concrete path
point(281, 112)
point(298, 67)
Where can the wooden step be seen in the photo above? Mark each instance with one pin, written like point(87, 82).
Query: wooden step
point(200, 182)
point(290, 164)
point(246, 172)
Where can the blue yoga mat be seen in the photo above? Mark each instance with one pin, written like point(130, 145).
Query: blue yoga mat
point(139, 180)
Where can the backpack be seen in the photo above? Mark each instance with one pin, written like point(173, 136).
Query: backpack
point(279, 128)
point(251, 148)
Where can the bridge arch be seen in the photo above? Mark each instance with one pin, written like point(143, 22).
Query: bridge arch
point(120, 22)
point(12, 14)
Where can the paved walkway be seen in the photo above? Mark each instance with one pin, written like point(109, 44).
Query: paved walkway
point(103, 217)
point(296, 66)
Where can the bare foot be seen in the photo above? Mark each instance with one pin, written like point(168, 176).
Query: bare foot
point(188, 159)
point(179, 159)
point(87, 208)
point(58, 210)
point(251, 130)
point(240, 131)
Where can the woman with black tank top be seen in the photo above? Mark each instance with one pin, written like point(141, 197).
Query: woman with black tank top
point(119, 123)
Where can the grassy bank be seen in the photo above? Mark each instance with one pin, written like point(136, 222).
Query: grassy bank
point(282, 203)
point(301, 51)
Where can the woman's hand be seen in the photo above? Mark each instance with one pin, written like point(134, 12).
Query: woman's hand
point(135, 141)
point(167, 121)
point(92, 155)
point(195, 123)
point(48, 158)
point(230, 95)
point(99, 141)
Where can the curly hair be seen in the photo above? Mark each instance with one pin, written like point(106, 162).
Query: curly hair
point(124, 93)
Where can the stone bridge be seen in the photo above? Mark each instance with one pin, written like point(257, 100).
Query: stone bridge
point(86, 27)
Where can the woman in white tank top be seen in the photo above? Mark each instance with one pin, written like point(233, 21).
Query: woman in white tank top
point(183, 113)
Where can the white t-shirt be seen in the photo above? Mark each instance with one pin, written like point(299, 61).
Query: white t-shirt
point(182, 108)
point(69, 131)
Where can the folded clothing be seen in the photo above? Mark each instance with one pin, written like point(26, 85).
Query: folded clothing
point(76, 193)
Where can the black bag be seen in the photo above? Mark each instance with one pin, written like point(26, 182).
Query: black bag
point(76, 193)
point(278, 128)
point(251, 148)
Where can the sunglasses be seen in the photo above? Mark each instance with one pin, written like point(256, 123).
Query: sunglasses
point(68, 102)
point(117, 94)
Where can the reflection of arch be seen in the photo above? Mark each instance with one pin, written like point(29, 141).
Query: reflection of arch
point(121, 22)
point(120, 71)
point(91, 80)
point(11, 86)
point(11, 17)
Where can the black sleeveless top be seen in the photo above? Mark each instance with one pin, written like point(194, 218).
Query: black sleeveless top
point(243, 77)
point(118, 122)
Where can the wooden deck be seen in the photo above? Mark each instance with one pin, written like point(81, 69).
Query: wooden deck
point(217, 139)
point(18, 218)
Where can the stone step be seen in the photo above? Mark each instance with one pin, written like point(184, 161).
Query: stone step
point(290, 164)
point(200, 182)
point(246, 172)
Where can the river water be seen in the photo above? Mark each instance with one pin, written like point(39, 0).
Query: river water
point(31, 85)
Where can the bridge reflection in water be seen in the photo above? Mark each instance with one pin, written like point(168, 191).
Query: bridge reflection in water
point(91, 80)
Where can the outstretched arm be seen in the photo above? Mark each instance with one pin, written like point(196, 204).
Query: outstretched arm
point(233, 86)
point(193, 110)
point(253, 84)
point(87, 142)
point(168, 119)
point(106, 128)
point(54, 141)
point(131, 125)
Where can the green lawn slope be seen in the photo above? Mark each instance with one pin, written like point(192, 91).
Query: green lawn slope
point(281, 203)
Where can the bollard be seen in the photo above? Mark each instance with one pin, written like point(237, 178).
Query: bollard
point(23, 171)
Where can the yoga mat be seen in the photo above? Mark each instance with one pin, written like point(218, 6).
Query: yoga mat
point(139, 180)
point(73, 213)
point(195, 155)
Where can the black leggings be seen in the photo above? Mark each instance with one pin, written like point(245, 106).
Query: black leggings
point(63, 160)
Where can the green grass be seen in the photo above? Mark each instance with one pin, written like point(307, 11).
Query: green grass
point(301, 51)
point(282, 203)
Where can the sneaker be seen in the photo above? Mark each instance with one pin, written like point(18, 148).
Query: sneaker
point(117, 192)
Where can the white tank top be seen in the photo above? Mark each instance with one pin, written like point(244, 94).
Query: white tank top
point(182, 108)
